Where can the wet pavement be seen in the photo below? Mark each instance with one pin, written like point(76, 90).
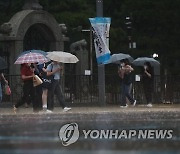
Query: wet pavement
point(39, 133)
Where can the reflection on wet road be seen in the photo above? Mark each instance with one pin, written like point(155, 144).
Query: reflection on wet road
point(25, 132)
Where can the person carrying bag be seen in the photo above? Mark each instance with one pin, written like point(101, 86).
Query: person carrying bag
point(47, 80)
point(7, 89)
point(46, 85)
point(36, 81)
point(2, 79)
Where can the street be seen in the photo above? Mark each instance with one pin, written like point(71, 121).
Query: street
point(38, 133)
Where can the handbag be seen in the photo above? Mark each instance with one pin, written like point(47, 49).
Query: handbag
point(36, 81)
point(47, 80)
point(7, 90)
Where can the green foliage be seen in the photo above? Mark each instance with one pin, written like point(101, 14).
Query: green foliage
point(155, 23)
point(8, 8)
point(118, 40)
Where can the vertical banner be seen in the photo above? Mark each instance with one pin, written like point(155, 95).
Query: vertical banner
point(100, 28)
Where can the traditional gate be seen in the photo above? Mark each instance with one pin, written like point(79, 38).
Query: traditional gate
point(31, 28)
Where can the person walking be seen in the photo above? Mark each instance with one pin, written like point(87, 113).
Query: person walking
point(125, 73)
point(53, 69)
point(148, 84)
point(2, 78)
point(45, 86)
point(38, 90)
point(27, 74)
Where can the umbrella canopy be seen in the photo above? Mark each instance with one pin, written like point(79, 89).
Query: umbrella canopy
point(33, 51)
point(31, 58)
point(116, 58)
point(141, 60)
point(3, 64)
point(63, 57)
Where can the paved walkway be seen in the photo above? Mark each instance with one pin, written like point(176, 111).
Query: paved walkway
point(97, 109)
point(37, 133)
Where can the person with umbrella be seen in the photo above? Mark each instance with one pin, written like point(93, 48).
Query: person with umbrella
point(148, 78)
point(2, 78)
point(54, 69)
point(3, 65)
point(27, 61)
point(125, 73)
point(27, 74)
point(45, 86)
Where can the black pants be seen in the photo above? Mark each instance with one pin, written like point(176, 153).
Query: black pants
point(28, 93)
point(148, 91)
point(55, 89)
point(37, 106)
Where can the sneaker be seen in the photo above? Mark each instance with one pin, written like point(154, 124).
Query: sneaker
point(14, 109)
point(149, 105)
point(124, 106)
point(44, 111)
point(66, 109)
point(48, 111)
point(44, 106)
point(134, 103)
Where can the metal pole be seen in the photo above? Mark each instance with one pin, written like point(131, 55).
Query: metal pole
point(91, 48)
point(99, 8)
point(101, 72)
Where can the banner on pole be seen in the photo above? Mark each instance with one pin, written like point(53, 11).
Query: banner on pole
point(100, 28)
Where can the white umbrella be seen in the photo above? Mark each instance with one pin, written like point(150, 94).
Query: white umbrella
point(141, 60)
point(63, 57)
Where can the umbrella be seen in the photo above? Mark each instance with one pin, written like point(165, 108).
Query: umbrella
point(34, 51)
point(140, 61)
point(63, 57)
point(3, 64)
point(116, 58)
point(31, 58)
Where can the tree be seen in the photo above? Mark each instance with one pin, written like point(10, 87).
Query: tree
point(155, 23)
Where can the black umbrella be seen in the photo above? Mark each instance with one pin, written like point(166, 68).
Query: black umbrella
point(3, 64)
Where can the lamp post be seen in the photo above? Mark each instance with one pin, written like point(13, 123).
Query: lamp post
point(128, 23)
point(90, 47)
point(157, 80)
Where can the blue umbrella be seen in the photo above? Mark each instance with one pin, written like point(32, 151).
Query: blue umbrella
point(116, 58)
